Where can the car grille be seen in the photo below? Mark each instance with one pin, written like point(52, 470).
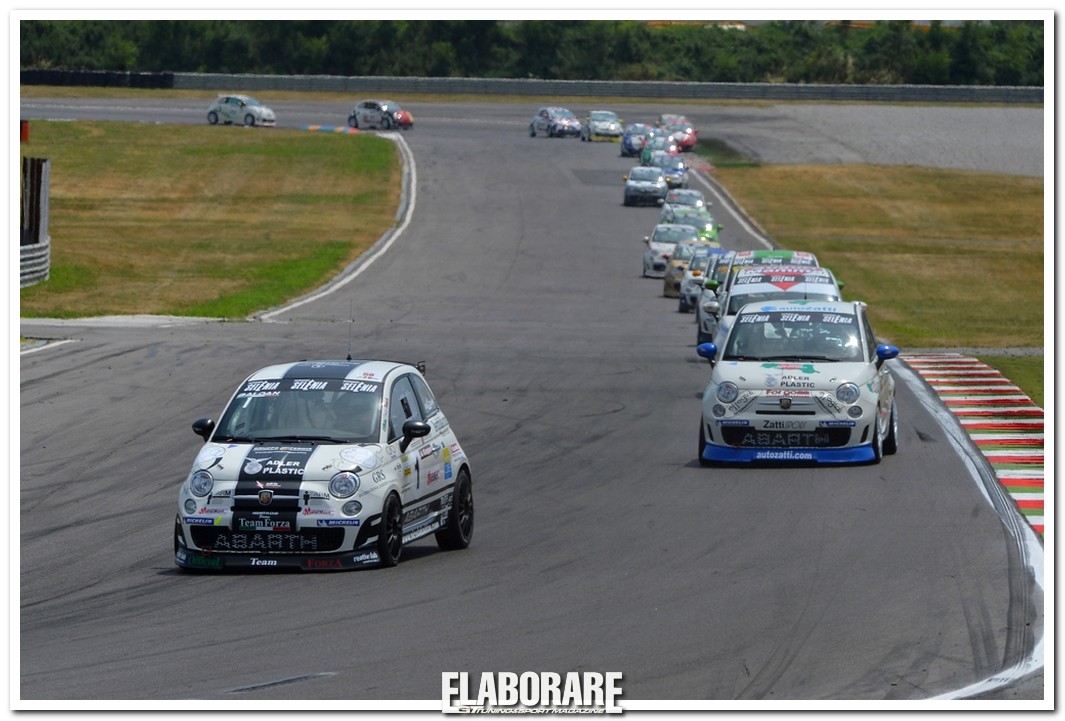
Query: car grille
point(308, 540)
point(820, 438)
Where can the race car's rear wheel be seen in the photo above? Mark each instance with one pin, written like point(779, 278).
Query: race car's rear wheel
point(891, 443)
point(353, 122)
point(390, 538)
point(459, 528)
point(532, 131)
point(386, 123)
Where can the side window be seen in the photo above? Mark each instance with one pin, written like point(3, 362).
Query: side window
point(870, 339)
point(403, 407)
point(429, 406)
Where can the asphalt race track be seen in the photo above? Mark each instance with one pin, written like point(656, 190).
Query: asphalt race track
point(600, 543)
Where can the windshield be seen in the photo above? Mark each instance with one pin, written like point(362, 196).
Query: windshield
point(562, 113)
point(700, 262)
point(674, 234)
point(637, 129)
point(794, 335)
point(604, 115)
point(648, 174)
point(738, 300)
point(329, 410)
point(253, 102)
point(688, 198)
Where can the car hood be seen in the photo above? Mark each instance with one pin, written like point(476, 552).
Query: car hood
point(793, 375)
point(271, 460)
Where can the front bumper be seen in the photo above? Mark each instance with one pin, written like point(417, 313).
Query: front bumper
point(200, 561)
point(731, 454)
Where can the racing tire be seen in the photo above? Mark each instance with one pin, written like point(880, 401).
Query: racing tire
point(532, 131)
point(212, 118)
point(249, 120)
point(353, 122)
point(386, 123)
point(702, 445)
point(390, 537)
point(891, 443)
point(459, 530)
point(878, 444)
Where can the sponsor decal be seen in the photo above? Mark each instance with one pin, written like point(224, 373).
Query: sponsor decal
point(378, 476)
point(447, 471)
point(416, 513)
point(264, 522)
point(456, 450)
point(318, 512)
point(732, 422)
point(742, 402)
point(366, 458)
point(837, 424)
point(338, 522)
point(241, 542)
point(220, 494)
point(368, 557)
point(211, 510)
point(308, 384)
point(784, 425)
point(359, 387)
point(531, 692)
point(432, 477)
point(427, 450)
point(197, 561)
point(323, 563)
point(199, 521)
point(784, 455)
point(261, 386)
point(264, 562)
point(418, 533)
point(308, 495)
point(830, 404)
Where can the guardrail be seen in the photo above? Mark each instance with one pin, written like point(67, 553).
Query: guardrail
point(373, 85)
point(35, 261)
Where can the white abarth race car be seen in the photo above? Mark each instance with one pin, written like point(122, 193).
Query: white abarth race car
point(324, 465)
point(799, 381)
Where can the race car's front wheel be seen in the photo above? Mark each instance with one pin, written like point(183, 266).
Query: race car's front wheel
point(459, 530)
point(702, 445)
point(390, 537)
point(212, 118)
point(891, 443)
point(878, 443)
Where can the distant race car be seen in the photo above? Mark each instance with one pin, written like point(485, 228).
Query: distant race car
point(685, 134)
point(656, 143)
point(240, 109)
point(602, 125)
point(555, 122)
point(695, 275)
point(660, 246)
point(644, 186)
point(323, 465)
point(633, 138)
point(383, 114)
point(683, 255)
point(684, 197)
point(701, 218)
point(772, 284)
point(674, 167)
point(799, 381)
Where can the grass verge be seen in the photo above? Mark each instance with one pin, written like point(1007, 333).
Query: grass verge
point(209, 221)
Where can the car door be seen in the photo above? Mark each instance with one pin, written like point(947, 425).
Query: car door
point(423, 459)
point(885, 382)
point(228, 110)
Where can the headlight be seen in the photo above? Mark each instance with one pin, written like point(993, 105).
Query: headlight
point(847, 393)
point(727, 392)
point(202, 483)
point(344, 484)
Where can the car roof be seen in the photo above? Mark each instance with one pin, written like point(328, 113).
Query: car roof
point(365, 370)
point(843, 307)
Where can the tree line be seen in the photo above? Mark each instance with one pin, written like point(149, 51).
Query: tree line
point(886, 52)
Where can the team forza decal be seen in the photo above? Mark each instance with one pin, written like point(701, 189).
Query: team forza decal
point(267, 496)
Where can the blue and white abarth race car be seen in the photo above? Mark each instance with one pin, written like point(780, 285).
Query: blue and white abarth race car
point(324, 465)
point(799, 381)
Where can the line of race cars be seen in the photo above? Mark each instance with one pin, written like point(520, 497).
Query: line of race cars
point(797, 373)
point(230, 109)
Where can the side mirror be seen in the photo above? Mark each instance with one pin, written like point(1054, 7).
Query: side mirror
point(712, 307)
point(647, 239)
point(711, 284)
point(203, 428)
point(624, 177)
point(413, 429)
point(706, 350)
point(839, 283)
point(885, 352)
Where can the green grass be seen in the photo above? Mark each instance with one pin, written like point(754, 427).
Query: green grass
point(203, 221)
point(1025, 371)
